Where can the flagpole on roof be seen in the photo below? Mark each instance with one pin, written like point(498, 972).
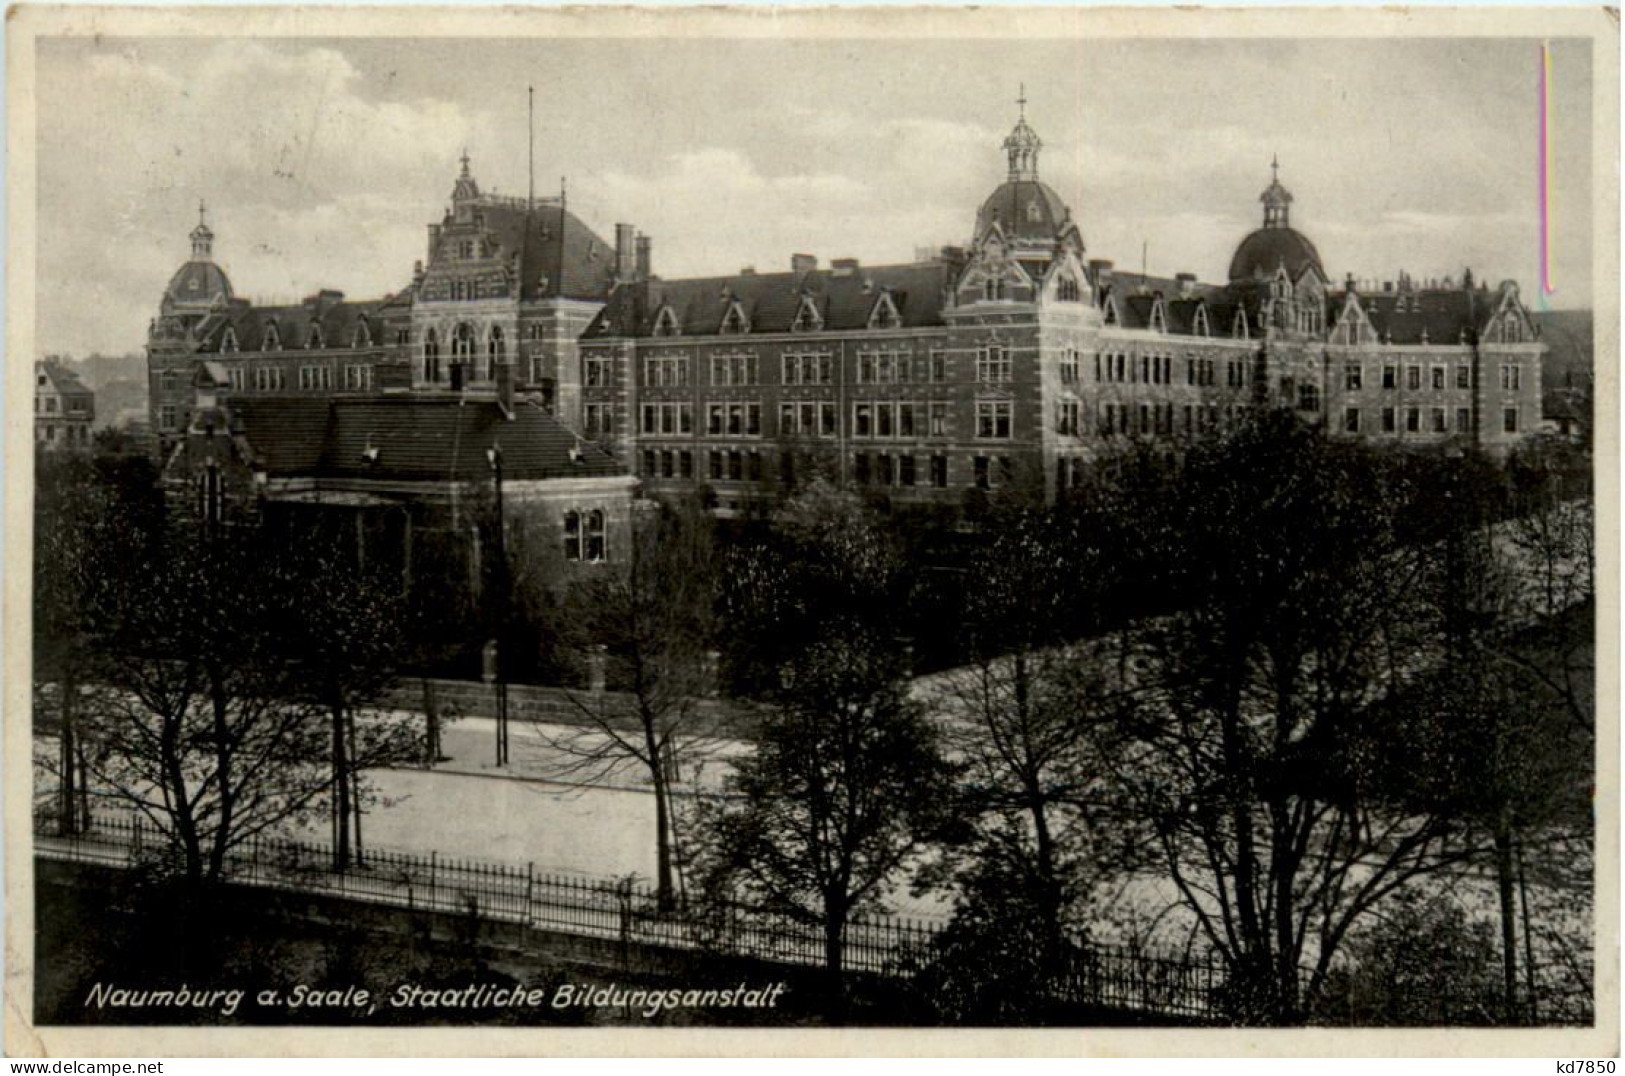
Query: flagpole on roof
point(530, 199)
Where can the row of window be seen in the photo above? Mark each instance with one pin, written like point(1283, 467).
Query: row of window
point(876, 367)
point(810, 418)
point(75, 405)
point(354, 377)
point(1438, 377)
point(1438, 420)
point(75, 434)
point(1119, 367)
point(868, 468)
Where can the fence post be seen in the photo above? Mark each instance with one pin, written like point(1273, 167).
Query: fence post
point(135, 843)
point(432, 895)
point(530, 884)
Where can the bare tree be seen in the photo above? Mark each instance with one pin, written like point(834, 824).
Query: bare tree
point(1263, 762)
point(198, 728)
point(653, 623)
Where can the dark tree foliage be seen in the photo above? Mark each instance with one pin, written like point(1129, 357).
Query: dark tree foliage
point(845, 791)
point(88, 516)
point(1419, 962)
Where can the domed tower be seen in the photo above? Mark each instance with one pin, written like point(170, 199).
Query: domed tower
point(1277, 244)
point(199, 284)
point(1024, 207)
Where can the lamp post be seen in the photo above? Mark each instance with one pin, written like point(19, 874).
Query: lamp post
point(493, 654)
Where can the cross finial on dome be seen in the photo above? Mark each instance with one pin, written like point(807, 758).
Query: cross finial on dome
point(465, 162)
point(1023, 144)
point(1276, 198)
point(202, 237)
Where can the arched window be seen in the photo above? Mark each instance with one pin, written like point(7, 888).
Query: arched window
point(595, 536)
point(734, 323)
point(993, 289)
point(666, 323)
point(496, 349)
point(572, 535)
point(462, 344)
point(228, 342)
point(1066, 290)
point(431, 356)
point(363, 338)
point(273, 339)
point(314, 338)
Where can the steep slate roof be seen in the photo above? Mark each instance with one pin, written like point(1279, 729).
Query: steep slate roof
point(770, 301)
point(553, 243)
point(63, 380)
point(417, 438)
point(338, 320)
point(1446, 316)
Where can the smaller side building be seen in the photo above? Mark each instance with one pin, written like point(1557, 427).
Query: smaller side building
point(64, 409)
point(420, 483)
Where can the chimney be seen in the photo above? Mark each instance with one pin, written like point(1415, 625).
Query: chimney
point(844, 267)
point(625, 258)
point(1348, 283)
point(417, 272)
point(434, 240)
point(1388, 286)
point(1187, 284)
point(643, 259)
point(1100, 269)
point(802, 264)
point(504, 374)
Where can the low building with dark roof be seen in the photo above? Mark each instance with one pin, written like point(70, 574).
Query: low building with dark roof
point(408, 472)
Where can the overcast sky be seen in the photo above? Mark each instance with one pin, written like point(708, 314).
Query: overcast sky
point(323, 160)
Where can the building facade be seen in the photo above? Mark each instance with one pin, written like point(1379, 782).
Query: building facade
point(1011, 360)
point(1018, 357)
point(64, 410)
point(506, 282)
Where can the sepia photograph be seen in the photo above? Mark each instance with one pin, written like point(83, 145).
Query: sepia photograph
point(635, 521)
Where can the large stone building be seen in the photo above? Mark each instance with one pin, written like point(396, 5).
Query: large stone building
point(1017, 357)
point(1012, 359)
point(406, 414)
point(507, 282)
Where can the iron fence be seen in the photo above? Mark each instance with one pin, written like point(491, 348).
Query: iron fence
point(628, 911)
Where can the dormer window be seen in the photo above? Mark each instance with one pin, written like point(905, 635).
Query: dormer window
point(993, 289)
point(1199, 324)
point(362, 337)
point(884, 315)
point(228, 342)
point(1066, 290)
point(273, 339)
point(314, 340)
point(734, 322)
point(808, 319)
point(666, 323)
point(1238, 327)
point(1110, 316)
point(1159, 316)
